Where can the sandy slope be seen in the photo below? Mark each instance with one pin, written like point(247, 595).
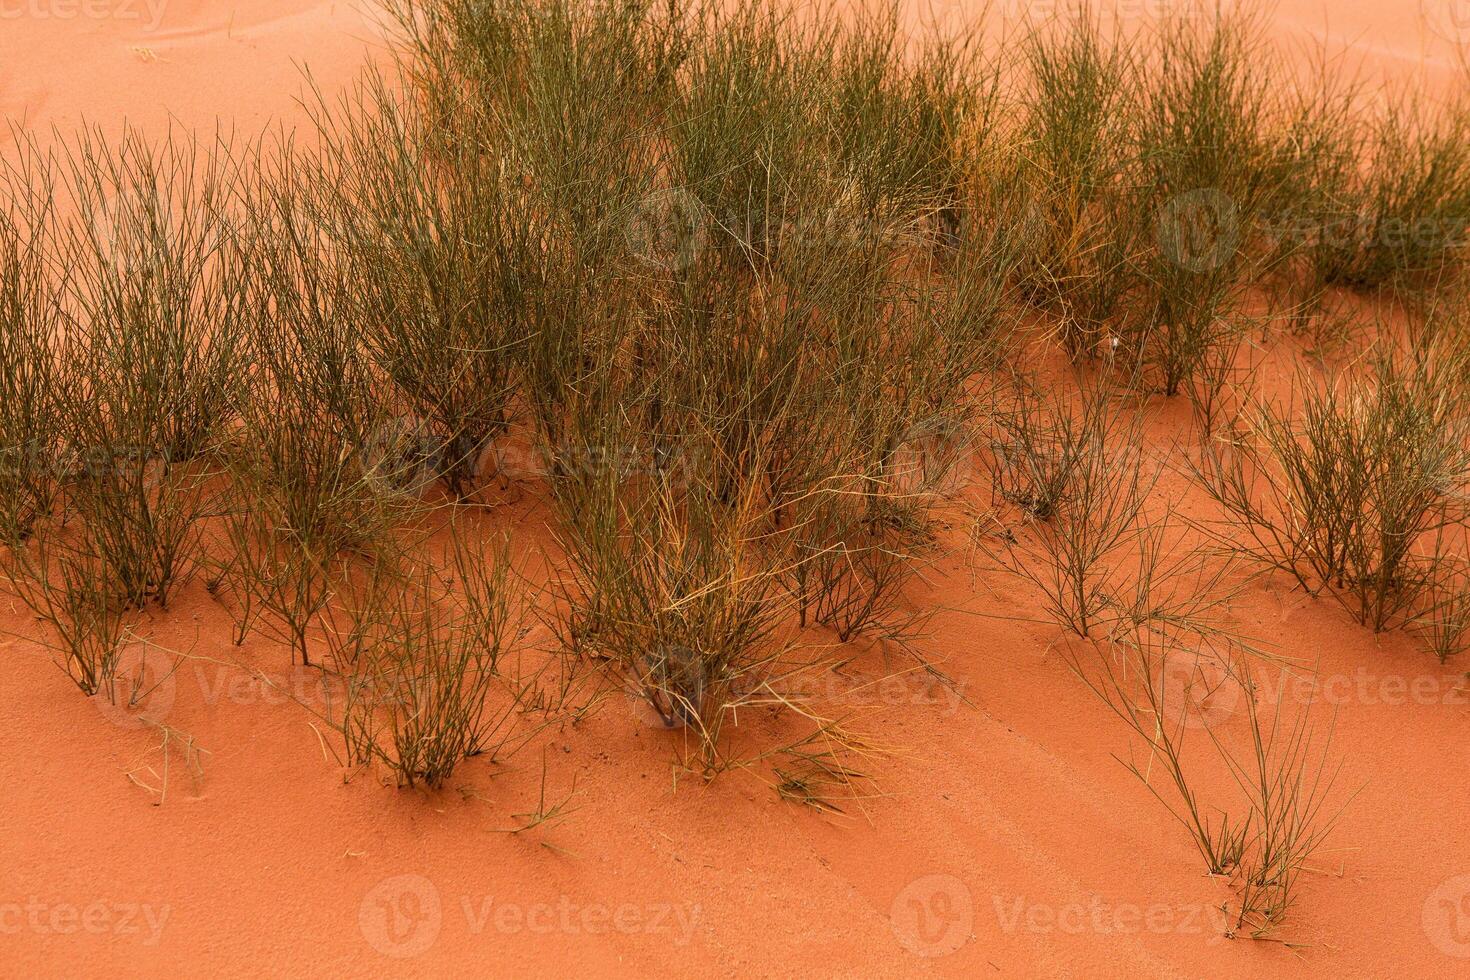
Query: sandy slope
point(1005, 840)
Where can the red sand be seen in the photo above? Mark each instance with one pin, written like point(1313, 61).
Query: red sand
point(1003, 840)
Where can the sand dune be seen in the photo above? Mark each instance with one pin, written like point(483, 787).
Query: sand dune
point(1004, 839)
point(151, 60)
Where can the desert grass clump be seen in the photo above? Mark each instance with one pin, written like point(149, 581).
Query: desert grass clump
point(850, 548)
point(1132, 678)
point(420, 664)
point(1304, 220)
point(322, 465)
point(142, 340)
point(749, 128)
point(1077, 166)
point(1443, 619)
point(781, 111)
point(56, 573)
point(560, 108)
point(1403, 202)
point(1210, 166)
point(153, 350)
point(29, 342)
point(1263, 838)
point(1081, 480)
point(1169, 666)
point(668, 583)
point(1359, 489)
point(155, 295)
point(907, 127)
point(719, 326)
point(1288, 777)
point(74, 593)
point(1037, 446)
point(1224, 376)
point(436, 239)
